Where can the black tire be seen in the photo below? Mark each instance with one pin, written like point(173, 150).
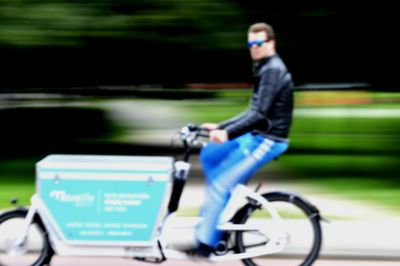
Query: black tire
point(302, 215)
point(36, 252)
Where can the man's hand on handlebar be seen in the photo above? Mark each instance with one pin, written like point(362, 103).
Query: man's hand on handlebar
point(219, 135)
point(216, 135)
point(191, 132)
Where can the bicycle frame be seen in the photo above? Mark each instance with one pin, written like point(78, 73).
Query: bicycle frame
point(275, 231)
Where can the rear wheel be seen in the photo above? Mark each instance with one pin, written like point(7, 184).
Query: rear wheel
point(301, 220)
point(36, 250)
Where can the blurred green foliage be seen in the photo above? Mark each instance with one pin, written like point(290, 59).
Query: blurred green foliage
point(121, 41)
point(28, 23)
point(17, 180)
point(346, 135)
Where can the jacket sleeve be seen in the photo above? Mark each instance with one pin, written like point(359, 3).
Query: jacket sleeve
point(232, 120)
point(263, 98)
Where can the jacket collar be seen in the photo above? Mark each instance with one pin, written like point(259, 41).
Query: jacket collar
point(257, 65)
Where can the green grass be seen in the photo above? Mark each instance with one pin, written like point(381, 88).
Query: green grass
point(347, 125)
point(194, 211)
point(324, 166)
point(17, 180)
point(368, 178)
point(370, 190)
point(210, 110)
point(22, 191)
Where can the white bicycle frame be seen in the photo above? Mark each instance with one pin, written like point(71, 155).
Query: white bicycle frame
point(273, 231)
point(160, 248)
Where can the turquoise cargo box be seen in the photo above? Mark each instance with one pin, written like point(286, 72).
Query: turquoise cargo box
point(96, 199)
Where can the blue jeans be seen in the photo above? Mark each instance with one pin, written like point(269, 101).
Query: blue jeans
point(225, 166)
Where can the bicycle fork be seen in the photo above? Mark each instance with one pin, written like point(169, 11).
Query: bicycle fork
point(21, 241)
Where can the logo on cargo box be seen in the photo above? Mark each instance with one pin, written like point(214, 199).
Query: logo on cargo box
point(84, 199)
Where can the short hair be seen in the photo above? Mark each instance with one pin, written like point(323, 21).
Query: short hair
point(261, 26)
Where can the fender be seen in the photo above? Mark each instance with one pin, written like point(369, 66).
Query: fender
point(23, 212)
point(290, 197)
point(295, 199)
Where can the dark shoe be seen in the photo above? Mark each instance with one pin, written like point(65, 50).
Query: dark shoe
point(200, 251)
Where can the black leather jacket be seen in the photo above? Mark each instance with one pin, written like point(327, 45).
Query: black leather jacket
point(271, 106)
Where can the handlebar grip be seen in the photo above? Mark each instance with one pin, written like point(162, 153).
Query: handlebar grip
point(204, 135)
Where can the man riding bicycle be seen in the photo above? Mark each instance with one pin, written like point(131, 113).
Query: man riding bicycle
point(243, 144)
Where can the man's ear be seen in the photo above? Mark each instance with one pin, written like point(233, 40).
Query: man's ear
point(271, 43)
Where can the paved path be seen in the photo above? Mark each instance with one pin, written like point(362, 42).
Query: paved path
point(64, 261)
point(99, 261)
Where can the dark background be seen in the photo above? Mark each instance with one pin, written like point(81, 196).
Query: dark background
point(63, 44)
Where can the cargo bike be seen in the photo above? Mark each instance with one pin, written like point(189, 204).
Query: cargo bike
point(126, 206)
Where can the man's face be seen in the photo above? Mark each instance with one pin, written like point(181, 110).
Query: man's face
point(258, 46)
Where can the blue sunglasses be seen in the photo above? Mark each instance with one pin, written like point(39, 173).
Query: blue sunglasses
point(256, 42)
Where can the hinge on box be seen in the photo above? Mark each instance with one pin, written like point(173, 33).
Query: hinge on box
point(57, 179)
point(150, 180)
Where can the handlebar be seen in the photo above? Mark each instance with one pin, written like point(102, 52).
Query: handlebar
point(189, 136)
point(191, 132)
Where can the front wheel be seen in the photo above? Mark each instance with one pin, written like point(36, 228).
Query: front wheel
point(301, 220)
point(36, 250)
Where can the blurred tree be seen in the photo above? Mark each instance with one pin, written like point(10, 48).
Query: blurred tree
point(137, 41)
point(201, 24)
